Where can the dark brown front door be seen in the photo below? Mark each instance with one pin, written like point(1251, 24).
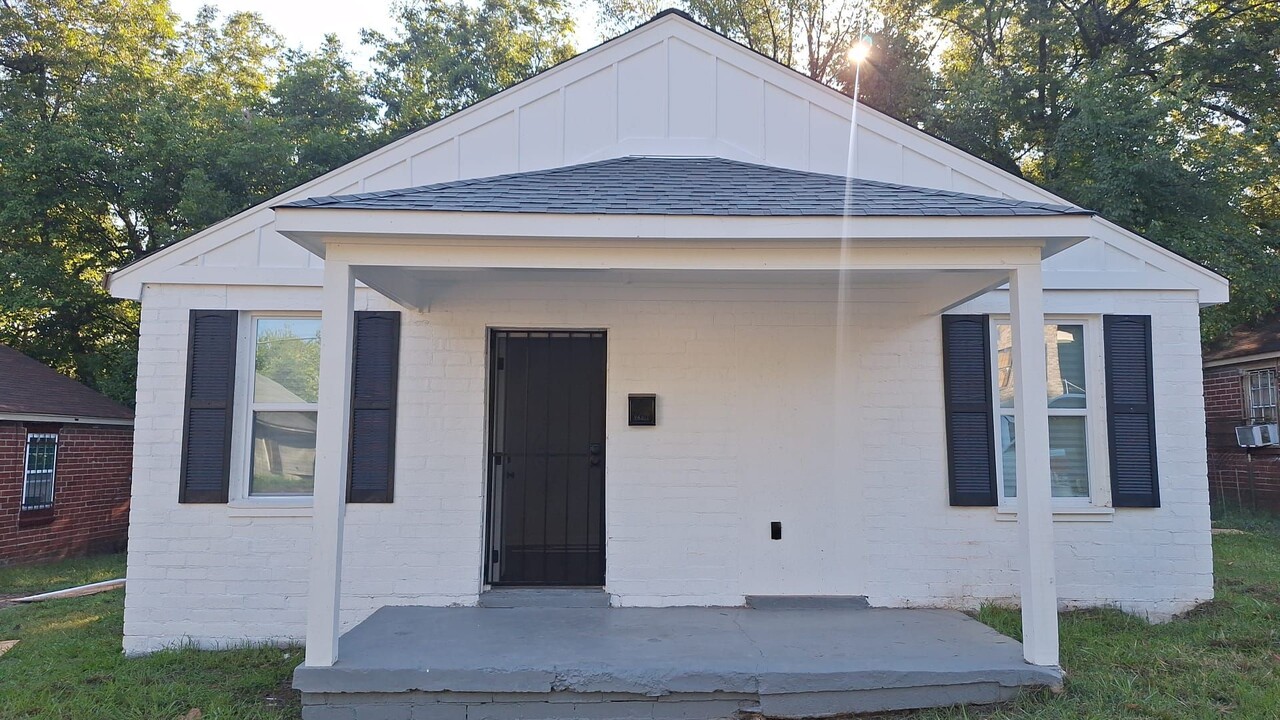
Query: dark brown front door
point(546, 468)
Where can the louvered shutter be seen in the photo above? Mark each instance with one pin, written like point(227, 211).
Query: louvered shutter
point(966, 367)
point(211, 382)
point(373, 407)
point(1131, 416)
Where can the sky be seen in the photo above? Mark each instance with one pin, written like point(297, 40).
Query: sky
point(306, 22)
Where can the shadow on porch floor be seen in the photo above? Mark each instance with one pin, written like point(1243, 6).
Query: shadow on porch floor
point(542, 662)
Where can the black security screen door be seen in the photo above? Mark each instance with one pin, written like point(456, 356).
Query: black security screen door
point(546, 466)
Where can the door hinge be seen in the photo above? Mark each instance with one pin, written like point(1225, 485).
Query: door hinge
point(502, 363)
point(495, 556)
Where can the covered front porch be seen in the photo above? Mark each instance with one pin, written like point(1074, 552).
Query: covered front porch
point(795, 658)
point(799, 656)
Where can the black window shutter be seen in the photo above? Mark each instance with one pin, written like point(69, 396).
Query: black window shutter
point(1131, 412)
point(971, 447)
point(375, 368)
point(211, 383)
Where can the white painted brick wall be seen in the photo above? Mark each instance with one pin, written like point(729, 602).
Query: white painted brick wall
point(755, 425)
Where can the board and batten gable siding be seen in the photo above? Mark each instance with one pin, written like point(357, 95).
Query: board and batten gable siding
point(860, 487)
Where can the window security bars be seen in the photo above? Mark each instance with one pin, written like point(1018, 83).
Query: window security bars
point(42, 457)
point(1261, 391)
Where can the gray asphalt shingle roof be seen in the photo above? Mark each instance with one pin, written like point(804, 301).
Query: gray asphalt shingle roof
point(682, 186)
point(29, 387)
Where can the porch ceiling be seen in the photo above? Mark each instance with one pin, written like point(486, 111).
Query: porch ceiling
point(932, 290)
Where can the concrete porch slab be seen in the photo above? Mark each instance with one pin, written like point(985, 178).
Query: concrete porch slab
point(662, 662)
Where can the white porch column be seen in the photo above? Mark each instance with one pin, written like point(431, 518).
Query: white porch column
point(330, 494)
point(1035, 511)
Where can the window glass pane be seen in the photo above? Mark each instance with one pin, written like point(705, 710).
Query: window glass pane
point(1068, 456)
point(1004, 365)
point(1064, 355)
point(284, 453)
point(1064, 365)
point(286, 360)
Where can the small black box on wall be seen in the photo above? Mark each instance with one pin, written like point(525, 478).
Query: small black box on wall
point(642, 410)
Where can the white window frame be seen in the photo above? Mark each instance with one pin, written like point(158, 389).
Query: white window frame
point(1265, 413)
point(241, 501)
point(1098, 504)
point(26, 470)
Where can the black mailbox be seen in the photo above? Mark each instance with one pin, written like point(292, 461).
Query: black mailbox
point(642, 410)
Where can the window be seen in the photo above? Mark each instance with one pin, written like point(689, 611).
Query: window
point(42, 457)
point(1071, 402)
point(1260, 389)
point(283, 393)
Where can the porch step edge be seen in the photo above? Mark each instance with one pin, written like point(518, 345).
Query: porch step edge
point(544, 598)
point(808, 602)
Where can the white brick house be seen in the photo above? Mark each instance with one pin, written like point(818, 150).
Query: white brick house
point(841, 384)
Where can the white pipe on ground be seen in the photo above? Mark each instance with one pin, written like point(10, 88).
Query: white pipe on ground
point(77, 591)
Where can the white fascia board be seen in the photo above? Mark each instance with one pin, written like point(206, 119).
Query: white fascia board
point(312, 227)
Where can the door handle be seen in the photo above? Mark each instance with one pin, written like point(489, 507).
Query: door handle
point(595, 448)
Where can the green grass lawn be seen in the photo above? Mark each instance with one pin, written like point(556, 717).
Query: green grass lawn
point(69, 665)
point(1221, 660)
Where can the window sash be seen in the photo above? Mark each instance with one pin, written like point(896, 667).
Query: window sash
point(39, 471)
point(248, 441)
point(1094, 412)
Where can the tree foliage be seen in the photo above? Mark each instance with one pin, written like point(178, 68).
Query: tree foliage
point(448, 55)
point(123, 130)
point(1163, 115)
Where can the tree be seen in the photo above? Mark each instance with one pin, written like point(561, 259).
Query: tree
point(1160, 114)
point(448, 55)
point(121, 132)
point(74, 78)
point(321, 105)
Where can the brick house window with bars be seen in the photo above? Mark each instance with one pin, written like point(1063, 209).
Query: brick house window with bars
point(1260, 393)
point(42, 457)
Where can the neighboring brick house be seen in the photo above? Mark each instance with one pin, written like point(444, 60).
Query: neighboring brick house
point(1240, 389)
point(65, 453)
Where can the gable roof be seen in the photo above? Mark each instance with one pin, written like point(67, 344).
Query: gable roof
point(1247, 342)
point(666, 64)
point(30, 388)
point(684, 186)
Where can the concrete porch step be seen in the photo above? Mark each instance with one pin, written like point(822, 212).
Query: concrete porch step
point(808, 602)
point(544, 598)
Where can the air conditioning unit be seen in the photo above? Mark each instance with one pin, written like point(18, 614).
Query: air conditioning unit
point(1250, 436)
